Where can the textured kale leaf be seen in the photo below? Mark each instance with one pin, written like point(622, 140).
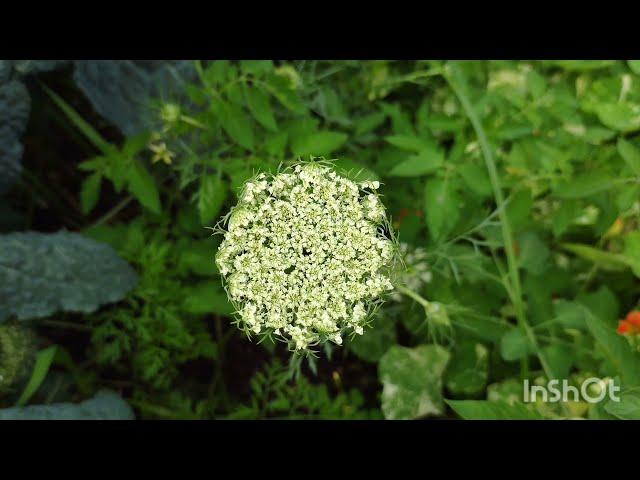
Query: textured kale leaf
point(42, 273)
point(106, 405)
point(122, 90)
point(29, 67)
point(14, 113)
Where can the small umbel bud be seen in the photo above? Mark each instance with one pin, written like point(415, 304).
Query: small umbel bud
point(306, 255)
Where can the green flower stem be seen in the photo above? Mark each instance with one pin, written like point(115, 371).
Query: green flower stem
point(426, 304)
point(507, 235)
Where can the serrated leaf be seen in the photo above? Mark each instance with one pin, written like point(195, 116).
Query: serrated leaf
point(143, 186)
point(235, 122)
point(106, 405)
point(281, 88)
point(412, 381)
point(427, 161)
point(212, 194)
point(258, 103)
point(44, 273)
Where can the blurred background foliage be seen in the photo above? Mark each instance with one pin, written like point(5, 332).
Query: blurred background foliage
point(514, 186)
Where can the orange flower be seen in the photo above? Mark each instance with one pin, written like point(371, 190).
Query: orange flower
point(631, 324)
point(624, 327)
point(633, 318)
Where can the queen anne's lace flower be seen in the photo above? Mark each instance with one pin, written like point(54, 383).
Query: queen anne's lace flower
point(305, 255)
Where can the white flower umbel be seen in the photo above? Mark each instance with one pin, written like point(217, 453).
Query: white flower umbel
point(305, 255)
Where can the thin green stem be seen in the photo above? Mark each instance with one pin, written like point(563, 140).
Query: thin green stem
point(507, 234)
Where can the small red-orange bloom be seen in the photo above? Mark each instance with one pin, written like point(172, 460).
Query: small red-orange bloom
point(634, 318)
point(623, 327)
point(631, 324)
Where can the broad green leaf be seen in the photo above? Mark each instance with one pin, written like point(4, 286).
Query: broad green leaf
point(468, 369)
point(412, 381)
point(427, 161)
point(619, 116)
point(569, 314)
point(90, 192)
point(318, 144)
point(476, 178)
point(585, 185)
point(533, 253)
point(559, 358)
point(514, 345)
point(43, 273)
point(106, 405)
point(211, 196)
point(628, 408)
point(519, 209)
point(258, 103)
point(207, 297)
point(235, 122)
point(281, 88)
point(486, 410)
point(441, 204)
point(143, 186)
point(631, 154)
point(369, 122)
point(43, 361)
point(409, 142)
point(634, 65)
point(565, 215)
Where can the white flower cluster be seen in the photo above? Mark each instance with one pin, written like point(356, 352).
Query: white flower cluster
point(304, 255)
point(417, 272)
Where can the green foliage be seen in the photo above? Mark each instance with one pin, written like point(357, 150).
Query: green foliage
point(519, 179)
point(275, 395)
